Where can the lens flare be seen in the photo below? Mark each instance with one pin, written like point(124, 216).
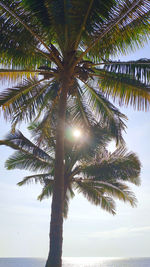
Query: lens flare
point(76, 133)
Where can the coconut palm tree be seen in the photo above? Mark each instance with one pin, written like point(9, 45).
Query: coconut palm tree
point(69, 45)
point(89, 168)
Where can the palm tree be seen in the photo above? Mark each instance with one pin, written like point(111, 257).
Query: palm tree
point(70, 45)
point(89, 168)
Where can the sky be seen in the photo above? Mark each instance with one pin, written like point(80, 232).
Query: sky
point(88, 231)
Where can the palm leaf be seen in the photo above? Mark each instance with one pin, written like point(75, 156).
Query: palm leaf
point(21, 160)
point(13, 76)
point(118, 165)
point(106, 112)
point(39, 10)
point(116, 189)
point(82, 114)
point(28, 100)
point(119, 17)
point(126, 89)
point(96, 196)
point(47, 190)
point(11, 94)
point(139, 69)
point(24, 144)
point(16, 12)
point(35, 104)
point(123, 39)
point(23, 23)
point(35, 178)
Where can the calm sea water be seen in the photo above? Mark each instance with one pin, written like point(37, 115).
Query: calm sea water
point(78, 262)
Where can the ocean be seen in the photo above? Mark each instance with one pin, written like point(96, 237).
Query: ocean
point(78, 262)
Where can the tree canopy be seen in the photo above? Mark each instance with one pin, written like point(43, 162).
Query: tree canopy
point(90, 169)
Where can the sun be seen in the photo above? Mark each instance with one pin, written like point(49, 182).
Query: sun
point(76, 133)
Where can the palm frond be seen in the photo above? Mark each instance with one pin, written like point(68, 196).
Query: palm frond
point(17, 44)
point(96, 196)
point(34, 104)
point(89, 7)
point(28, 100)
point(22, 143)
point(138, 69)
point(47, 190)
point(15, 76)
point(122, 14)
point(43, 133)
point(118, 165)
point(9, 144)
point(126, 89)
point(39, 10)
point(80, 109)
point(116, 189)
point(122, 40)
point(106, 112)
point(11, 94)
point(25, 161)
point(35, 179)
point(23, 23)
point(26, 20)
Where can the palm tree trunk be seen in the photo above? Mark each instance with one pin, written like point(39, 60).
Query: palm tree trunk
point(56, 225)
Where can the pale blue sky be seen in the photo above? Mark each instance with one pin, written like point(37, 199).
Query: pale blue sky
point(88, 231)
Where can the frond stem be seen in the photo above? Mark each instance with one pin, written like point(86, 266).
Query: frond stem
point(7, 102)
point(112, 25)
point(12, 13)
point(32, 71)
point(121, 63)
point(96, 96)
point(83, 25)
point(84, 116)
